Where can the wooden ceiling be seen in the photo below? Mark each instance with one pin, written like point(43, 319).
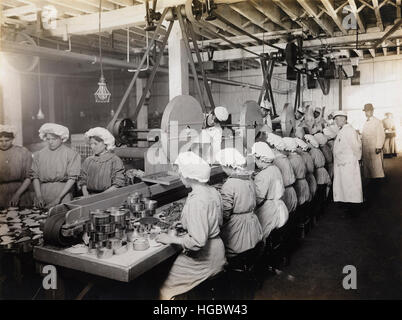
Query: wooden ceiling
point(320, 22)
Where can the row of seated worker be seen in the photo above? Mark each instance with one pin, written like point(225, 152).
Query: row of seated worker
point(224, 223)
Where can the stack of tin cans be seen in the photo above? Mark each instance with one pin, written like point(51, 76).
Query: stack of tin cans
point(141, 207)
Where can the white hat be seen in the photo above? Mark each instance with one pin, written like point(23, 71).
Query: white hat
point(8, 129)
point(290, 144)
point(329, 133)
point(275, 141)
point(193, 167)
point(265, 104)
point(230, 157)
point(55, 129)
point(321, 138)
point(301, 144)
point(310, 139)
point(340, 113)
point(104, 134)
point(263, 151)
point(221, 113)
point(300, 109)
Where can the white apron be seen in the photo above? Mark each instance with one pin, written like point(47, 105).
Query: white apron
point(347, 185)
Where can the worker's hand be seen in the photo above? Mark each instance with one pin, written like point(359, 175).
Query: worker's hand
point(40, 202)
point(164, 238)
point(14, 201)
point(377, 151)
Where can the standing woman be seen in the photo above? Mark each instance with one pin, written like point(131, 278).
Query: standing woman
point(55, 168)
point(241, 229)
point(103, 171)
point(15, 163)
point(203, 254)
point(271, 210)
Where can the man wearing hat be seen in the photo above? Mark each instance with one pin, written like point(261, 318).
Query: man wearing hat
point(347, 184)
point(373, 138)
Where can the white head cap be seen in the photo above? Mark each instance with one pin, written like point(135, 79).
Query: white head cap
point(321, 138)
point(310, 139)
point(265, 104)
point(55, 129)
point(263, 151)
point(221, 113)
point(8, 129)
point(230, 157)
point(290, 144)
point(329, 133)
point(275, 141)
point(104, 134)
point(340, 113)
point(193, 167)
point(301, 144)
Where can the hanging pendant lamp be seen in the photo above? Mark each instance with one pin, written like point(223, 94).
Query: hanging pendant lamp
point(102, 95)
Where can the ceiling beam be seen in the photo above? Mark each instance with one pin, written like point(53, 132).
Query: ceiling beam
point(312, 9)
point(95, 3)
point(334, 15)
point(390, 31)
point(378, 15)
point(295, 13)
point(235, 17)
point(270, 10)
point(398, 9)
point(19, 11)
point(359, 53)
point(123, 3)
point(234, 54)
point(219, 24)
point(355, 11)
point(252, 14)
point(372, 52)
point(115, 19)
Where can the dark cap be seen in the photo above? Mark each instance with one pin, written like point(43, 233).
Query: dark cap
point(368, 107)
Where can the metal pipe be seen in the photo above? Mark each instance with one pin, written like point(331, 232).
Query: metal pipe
point(9, 46)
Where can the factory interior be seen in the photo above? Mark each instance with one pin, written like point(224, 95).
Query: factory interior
point(151, 81)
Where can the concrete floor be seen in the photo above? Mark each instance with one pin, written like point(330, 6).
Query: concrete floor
point(371, 242)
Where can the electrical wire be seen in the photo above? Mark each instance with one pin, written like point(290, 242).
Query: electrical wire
point(100, 46)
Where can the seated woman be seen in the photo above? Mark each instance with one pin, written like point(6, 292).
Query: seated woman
point(299, 168)
point(302, 150)
point(271, 210)
point(15, 163)
point(55, 168)
point(288, 176)
point(103, 171)
point(203, 253)
point(321, 174)
point(326, 151)
point(241, 229)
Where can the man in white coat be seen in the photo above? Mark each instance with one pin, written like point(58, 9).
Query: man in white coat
point(347, 185)
point(373, 138)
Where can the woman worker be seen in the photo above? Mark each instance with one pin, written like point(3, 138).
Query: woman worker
point(302, 150)
point(241, 229)
point(320, 173)
point(299, 169)
point(326, 151)
point(288, 176)
point(15, 163)
point(271, 210)
point(203, 253)
point(55, 168)
point(103, 171)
